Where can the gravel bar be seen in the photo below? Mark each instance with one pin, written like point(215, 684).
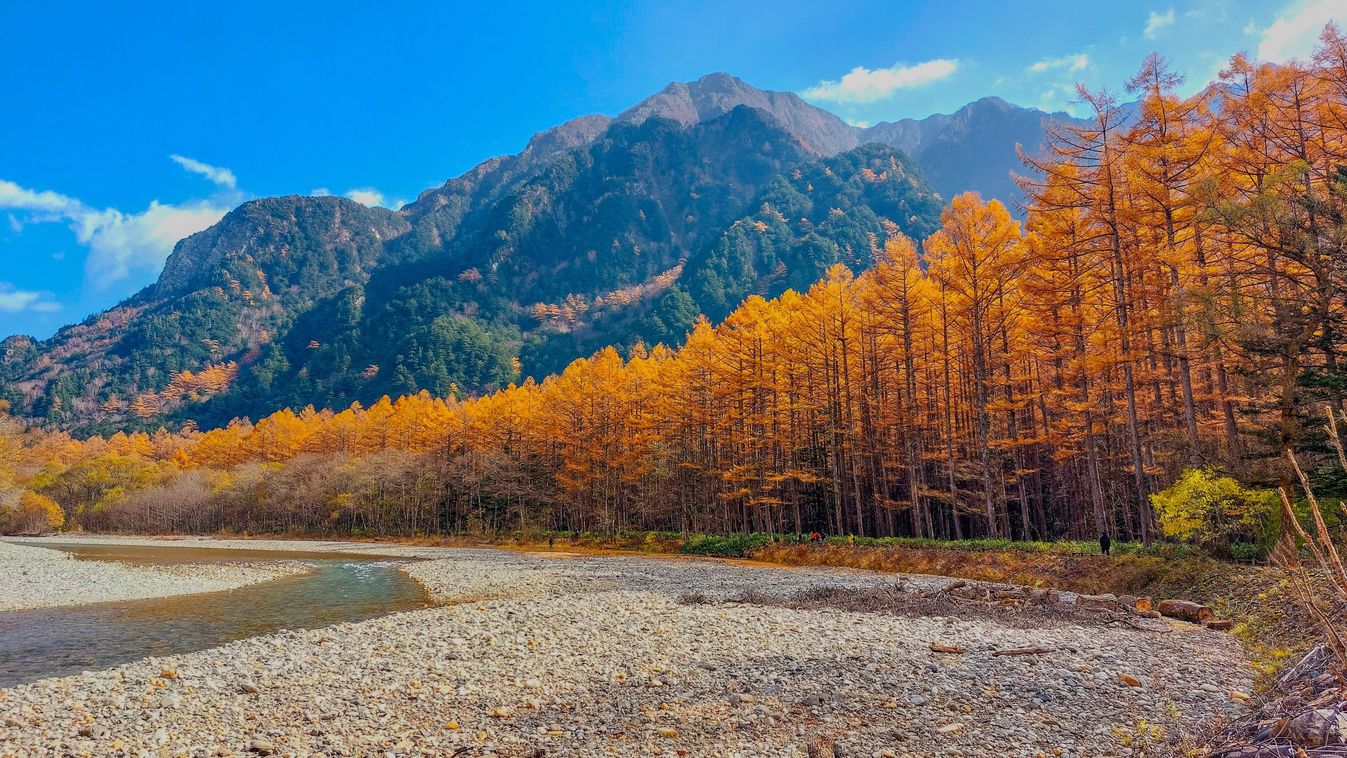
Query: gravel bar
point(551, 656)
point(38, 577)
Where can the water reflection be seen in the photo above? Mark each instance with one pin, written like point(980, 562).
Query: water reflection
point(342, 587)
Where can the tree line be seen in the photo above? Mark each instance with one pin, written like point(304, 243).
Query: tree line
point(1173, 300)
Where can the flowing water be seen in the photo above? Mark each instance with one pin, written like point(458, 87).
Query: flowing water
point(39, 643)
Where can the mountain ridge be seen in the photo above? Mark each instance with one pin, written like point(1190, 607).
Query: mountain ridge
point(716, 93)
point(602, 230)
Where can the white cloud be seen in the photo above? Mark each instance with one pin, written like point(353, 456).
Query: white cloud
point(863, 85)
point(1296, 31)
point(367, 196)
point(321, 192)
point(1071, 63)
point(118, 242)
point(19, 198)
point(14, 300)
point(221, 176)
point(1158, 22)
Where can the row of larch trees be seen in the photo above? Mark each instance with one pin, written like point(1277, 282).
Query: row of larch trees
point(1174, 298)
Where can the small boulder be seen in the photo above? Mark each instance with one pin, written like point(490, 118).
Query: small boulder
point(1319, 727)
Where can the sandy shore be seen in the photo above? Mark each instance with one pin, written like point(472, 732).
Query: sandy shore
point(37, 577)
point(611, 656)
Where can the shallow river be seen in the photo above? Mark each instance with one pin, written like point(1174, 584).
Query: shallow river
point(47, 642)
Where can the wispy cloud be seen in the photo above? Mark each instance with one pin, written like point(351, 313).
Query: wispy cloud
point(15, 300)
point(44, 201)
point(221, 176)
point(863, 85)
point(1297, 29)
point(118, 242)
point(1158, 22)
point(1070, 63)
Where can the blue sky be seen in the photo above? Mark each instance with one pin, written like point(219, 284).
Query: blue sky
point(123, 130)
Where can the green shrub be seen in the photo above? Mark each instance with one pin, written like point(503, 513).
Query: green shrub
point(1248, 551)
point(1213, 510)
point(729, 545)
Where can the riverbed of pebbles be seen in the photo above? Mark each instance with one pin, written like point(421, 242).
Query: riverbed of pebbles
point(37, 577)
point(607, 656)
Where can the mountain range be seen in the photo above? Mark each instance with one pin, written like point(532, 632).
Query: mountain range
point(603, 230)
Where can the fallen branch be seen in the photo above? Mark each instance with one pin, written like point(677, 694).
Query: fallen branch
point(953, 649)
point(1022, 651)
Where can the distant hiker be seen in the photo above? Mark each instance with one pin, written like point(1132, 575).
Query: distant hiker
point(815, 538)
point(551, 542)
point(1104, 543)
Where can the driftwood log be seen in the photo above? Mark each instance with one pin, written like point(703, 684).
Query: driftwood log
point(1109, 601)
point(1185, 610)
point(1139, 605)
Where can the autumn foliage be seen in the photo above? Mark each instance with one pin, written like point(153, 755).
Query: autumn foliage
point(1173, 300)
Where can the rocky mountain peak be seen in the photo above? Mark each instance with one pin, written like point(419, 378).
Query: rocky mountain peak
point(716, 94)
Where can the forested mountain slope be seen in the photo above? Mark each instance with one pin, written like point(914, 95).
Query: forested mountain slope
point(224, 295)
point(602, 231)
